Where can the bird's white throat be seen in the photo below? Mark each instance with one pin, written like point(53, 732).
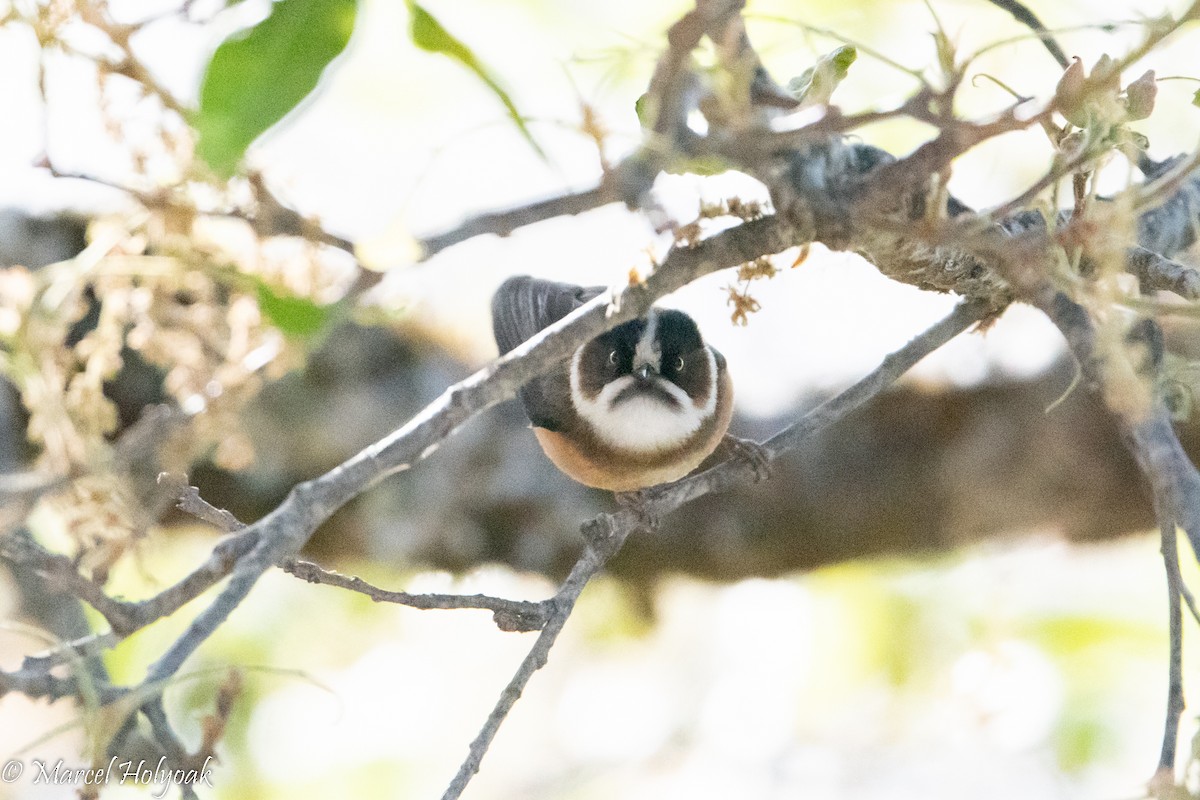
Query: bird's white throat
point(641, 423)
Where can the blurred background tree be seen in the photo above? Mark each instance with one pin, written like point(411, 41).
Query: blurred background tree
point(232, 251)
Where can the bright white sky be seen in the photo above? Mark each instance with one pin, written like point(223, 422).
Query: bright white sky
point(402, 141)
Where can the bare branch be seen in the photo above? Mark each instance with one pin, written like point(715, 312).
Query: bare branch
point(134, 616)
point(669, 99)
point(1175, 701)
point(1175, 483)
point(190, 501)
point(1190, 601)
point(36, 682)
point(663, 500)
point(1158, 272)
point(589, 564)
point(285, 530)
point(73, 651)
point(1152, 439)
point(26, 487)
point(510, 615)
point(502, 223)
point(20, 548)
point(607, 533)
point(125, 617)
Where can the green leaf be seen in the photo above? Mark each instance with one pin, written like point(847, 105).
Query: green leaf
point(429, 35)
point(257, 76)
point(1196, 98)
point(294, 316)
point(816, 84)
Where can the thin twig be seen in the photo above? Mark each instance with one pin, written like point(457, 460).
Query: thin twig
point(669, 98)
point(502, 223)
point(20, 548)
point(166, 738)
point(83, 648)
point(28, 486)
point(589, 564)
point(190, 501)
point(1175, 701)
point(1190, 601)
point(751, 146)
point(126, 617)
point(510, 615)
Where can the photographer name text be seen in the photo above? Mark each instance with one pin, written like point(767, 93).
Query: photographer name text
point(58, 773)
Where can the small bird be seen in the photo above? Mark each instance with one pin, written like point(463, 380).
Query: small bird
point(642, 404)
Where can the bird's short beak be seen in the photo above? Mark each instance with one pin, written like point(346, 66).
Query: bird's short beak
point(643, 371)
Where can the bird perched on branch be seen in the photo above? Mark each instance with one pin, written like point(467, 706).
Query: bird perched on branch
point(642, 404)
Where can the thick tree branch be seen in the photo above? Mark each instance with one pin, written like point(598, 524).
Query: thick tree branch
point(818, 191)
point(1173, 478)
point(1156, 272)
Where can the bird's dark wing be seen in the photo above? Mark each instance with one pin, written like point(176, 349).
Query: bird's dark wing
point(521, 307)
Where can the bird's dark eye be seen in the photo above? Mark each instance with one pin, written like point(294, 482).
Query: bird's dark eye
point(612, 357)
point(679, 364)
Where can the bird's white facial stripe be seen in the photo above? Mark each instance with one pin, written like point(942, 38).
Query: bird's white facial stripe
point(649, 349)
point(639, 424)
point(710, 403)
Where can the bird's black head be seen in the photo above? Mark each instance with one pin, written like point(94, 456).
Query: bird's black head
point(661, 353)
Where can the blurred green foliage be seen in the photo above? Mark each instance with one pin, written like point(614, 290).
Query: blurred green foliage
point(815, 85)
point(430, 35)
point(296, 316)
point(257, 76)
